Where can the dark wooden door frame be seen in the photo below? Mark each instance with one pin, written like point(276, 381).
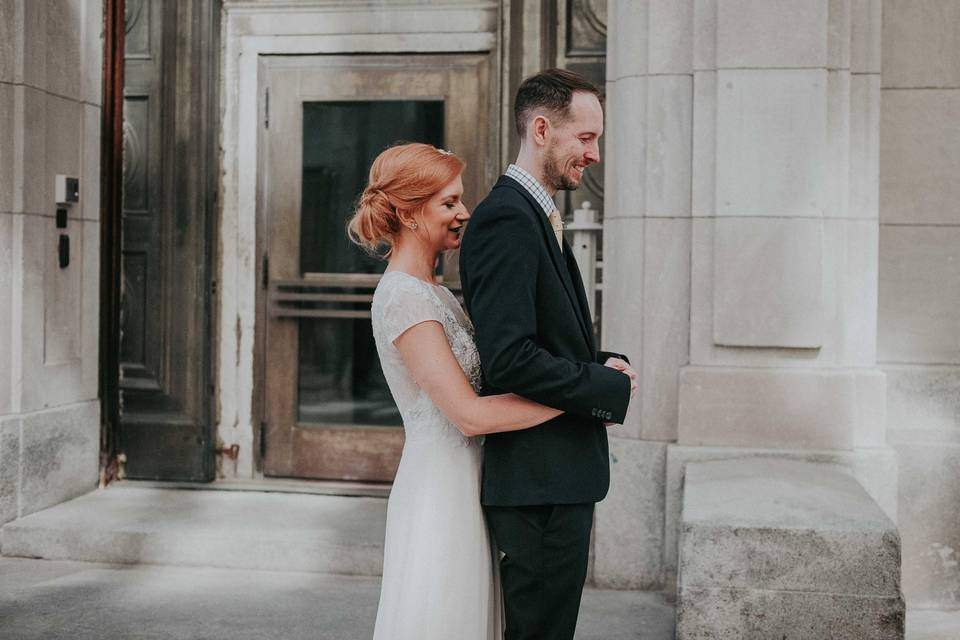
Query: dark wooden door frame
point(111, 204)
point(174, 409)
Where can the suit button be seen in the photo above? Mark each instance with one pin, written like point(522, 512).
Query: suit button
point(609, 415)
point(593, 412)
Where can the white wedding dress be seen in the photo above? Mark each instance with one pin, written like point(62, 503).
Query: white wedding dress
point(439, 579)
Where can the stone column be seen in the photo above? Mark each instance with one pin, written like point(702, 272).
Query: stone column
point(646, 273)
point(50, 94)
point(740, 247)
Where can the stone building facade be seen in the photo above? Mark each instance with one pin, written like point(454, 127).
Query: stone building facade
point(781, 239)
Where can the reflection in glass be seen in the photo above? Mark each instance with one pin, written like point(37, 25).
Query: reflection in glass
point(340, 380)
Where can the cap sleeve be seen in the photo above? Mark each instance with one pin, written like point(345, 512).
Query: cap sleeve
point(404, 304)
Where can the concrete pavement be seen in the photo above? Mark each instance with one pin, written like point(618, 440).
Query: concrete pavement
point(60, 600)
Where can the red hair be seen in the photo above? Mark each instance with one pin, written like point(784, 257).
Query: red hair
point(402, 179)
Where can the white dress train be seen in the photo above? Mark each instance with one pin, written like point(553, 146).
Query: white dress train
point(439, 577)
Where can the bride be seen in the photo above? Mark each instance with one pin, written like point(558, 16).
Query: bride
point(439, 577)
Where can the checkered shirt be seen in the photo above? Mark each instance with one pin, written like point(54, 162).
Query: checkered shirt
point(533, 187)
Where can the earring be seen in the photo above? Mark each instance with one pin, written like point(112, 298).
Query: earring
point(414, 226)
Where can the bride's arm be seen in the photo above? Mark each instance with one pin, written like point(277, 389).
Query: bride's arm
point(427, 355)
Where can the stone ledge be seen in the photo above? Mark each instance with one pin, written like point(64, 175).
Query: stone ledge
point(786, 549)
point(760, 614)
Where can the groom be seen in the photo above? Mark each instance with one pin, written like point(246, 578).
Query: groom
point(534, 333)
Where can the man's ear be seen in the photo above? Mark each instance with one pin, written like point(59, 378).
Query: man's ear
point(539, 128)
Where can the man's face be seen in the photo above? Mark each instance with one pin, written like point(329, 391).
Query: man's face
point(573, 145)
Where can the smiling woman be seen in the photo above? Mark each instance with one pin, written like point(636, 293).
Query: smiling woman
point(412, 188)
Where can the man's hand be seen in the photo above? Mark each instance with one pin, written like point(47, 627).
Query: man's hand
point(623, 367)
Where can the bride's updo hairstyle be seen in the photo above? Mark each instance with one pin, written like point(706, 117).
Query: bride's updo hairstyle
point(402, 179)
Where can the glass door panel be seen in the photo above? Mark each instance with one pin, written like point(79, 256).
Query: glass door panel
point(326, 408)
point(340, 380)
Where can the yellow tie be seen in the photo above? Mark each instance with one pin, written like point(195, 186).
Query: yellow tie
point(557, 223)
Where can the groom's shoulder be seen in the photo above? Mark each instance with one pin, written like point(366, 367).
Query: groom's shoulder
point(505, 198)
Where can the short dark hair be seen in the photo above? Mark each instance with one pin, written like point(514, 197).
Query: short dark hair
point(553, 90)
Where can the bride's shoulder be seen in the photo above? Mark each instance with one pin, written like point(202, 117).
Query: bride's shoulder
point(397, 289)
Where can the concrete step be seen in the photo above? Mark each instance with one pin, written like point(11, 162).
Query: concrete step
point(210, 528)
point(785, 549)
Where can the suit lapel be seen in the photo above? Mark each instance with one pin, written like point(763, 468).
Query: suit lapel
point(559, 263)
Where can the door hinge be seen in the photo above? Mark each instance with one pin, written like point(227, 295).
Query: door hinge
point(266, 109)
point(265, 272)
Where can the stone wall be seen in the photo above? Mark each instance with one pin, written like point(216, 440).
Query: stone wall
point(50, 96)
point(919, 293)
point(740, 252)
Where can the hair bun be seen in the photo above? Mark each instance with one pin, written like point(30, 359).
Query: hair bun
point(403, 177)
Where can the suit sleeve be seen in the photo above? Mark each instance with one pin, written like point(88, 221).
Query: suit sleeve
point(602, 356)
point(499, 262)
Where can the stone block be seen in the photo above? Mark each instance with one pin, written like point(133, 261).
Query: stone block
point(786, 408)
point(670, 36)
point(9, 467)
point(771, 34)
point(865, 29)
point(920, 157)
point(7, 309)
point(89, 382)
point(62, 291)
point(34, 41)
point(921, 41)
point(780, 548)
point(768, 287)
point(766, 523)
point(704, 35)
point(64, 56)
point(669, 139)
point(836, 174)
point(59, 331)
point(9, 46)
point(60, 455)
point(864, 173)
point(90, 170)
point(875, 469)
point(628, 526)
point(93, 52)
point(704, 160)
point(771, 142)
point(627, 42)
point(31, 106)
point(65, 125)
point(291, 532)
point(623, 306)
point(919, 296)
point(626, 151)
point(923, 404)
point(730, 614)
point(929, 475)
point(7, 159)
point(665, 325)
point(838, 34)
point(850, 282)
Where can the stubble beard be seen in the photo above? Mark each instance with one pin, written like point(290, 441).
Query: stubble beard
point(555, 176)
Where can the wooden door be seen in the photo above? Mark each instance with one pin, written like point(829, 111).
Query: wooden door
point(169, 196)
point(326, 407)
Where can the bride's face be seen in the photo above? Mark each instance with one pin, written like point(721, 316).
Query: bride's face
point(443, 217)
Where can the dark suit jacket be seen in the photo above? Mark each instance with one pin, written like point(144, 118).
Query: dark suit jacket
point(535, 339)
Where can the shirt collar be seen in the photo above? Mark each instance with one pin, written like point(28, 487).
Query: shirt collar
point(533, 187)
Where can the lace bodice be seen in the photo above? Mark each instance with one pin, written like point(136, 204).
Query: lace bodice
point(400, 302)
